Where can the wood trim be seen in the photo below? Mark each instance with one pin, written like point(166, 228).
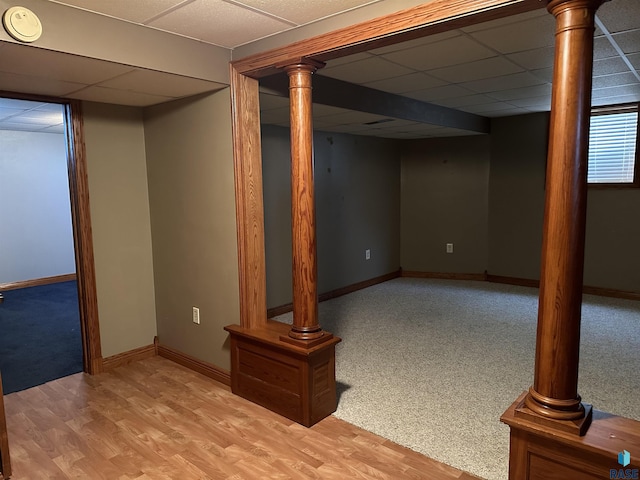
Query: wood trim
point(338, 292)
point(247, 157)
point(419, 21)
point(37, 282)
point(5, 459)
point(83, 237)
point(586, 289)
point(522, 282)
point(205, 368)
point(445, 276)
point(130, 356)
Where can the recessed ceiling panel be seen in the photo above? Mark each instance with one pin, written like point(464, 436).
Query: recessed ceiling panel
point(534, 33)
point(454, 51)
point(134, 11)
point(159, 83)
point(364, 71)
point(301, 12)
point(220, 23)
point(488, 68)
point(620, 15)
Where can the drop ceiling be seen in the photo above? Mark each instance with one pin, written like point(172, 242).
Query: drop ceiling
point(494, 69)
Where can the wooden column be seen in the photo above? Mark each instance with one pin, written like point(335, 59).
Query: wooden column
point(303, 222)
point(554, 393)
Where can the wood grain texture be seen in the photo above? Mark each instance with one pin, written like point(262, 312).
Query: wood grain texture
point(205, 368)
point(555, 389)
point(247, 157)
point(130, 356)
point(429, 18)
point(36, 282)
point(539, 452)
point(303, 209)
point(5, 458)
point(83, 238)
point(155, 419)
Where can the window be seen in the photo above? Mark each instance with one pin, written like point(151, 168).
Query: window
point(613, 146)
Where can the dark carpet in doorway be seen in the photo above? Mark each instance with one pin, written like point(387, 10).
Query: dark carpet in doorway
point(39, 335)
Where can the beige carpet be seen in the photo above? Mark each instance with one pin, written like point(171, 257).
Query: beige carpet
point(432, 364)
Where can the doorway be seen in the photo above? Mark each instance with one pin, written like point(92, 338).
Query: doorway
point(53, 118)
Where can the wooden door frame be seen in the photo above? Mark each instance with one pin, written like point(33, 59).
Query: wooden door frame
point(81, 224)
point(427, 19)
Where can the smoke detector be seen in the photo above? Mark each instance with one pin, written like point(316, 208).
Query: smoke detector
point(22, 24)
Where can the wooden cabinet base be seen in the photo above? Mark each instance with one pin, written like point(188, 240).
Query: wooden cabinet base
point(5, 462)
point(293, 380)
point(540, 451)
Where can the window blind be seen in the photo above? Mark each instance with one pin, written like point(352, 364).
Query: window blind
point(612, 147)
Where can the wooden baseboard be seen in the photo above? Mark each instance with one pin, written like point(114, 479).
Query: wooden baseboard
point(207, 369)
point(37, 282)
point(445, 276)
point(522, 282)
point(282, 309)
point(130, 356)
point(589, 290)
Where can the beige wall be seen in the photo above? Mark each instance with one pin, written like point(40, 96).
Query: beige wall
point(445, 200)
point(357, 190)
point(115, 149)
point(192, 199)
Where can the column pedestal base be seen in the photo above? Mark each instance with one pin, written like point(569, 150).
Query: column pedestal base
point(290, 377)
point(542, 450)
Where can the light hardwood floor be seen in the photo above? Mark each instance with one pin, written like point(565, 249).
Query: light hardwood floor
point(155, 419)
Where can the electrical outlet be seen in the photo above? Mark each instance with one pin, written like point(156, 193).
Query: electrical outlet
point(367, 254)
point(449, 247)
point(196, 315)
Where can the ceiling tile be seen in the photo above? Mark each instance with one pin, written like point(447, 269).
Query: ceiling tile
point(602, 48)
point(533, 59)
point(504, 82)
point(364, 71)
point(160, 83)
point(533, 103)
point(457, 102)
point(28, 60)
point(454, 51)
point(544, 74)
point(406, 83)
point(609, 66)
point(303, 12)
point(614, 100)
point(617, 91)
point(520, 93)
point(488, 68)
point(137, 11)
point(629, 41)
point(490, 110)
point(537, 32)
point(439, 93)
point(37, 85)
point(240, 24)
point(620, 15)
point(416, 43)
point(615, 80)
point(118, 97)
point(348, 59)
point(635, 60)
point(501, 22)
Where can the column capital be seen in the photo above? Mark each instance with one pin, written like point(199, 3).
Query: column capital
point(301, 63)
point(557, 6)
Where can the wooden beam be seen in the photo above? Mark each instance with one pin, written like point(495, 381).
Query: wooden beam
point(419, 21)
point(338, 93)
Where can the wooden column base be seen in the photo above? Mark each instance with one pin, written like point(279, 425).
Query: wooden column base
point(295, 380)
point(543, 451)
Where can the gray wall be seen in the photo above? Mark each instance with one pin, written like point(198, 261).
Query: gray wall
point(36, 238)
point(114, 139)
point(357, 187)
point(516, 194)
point(518, 160)
point(445, 200)
point(192, 199)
